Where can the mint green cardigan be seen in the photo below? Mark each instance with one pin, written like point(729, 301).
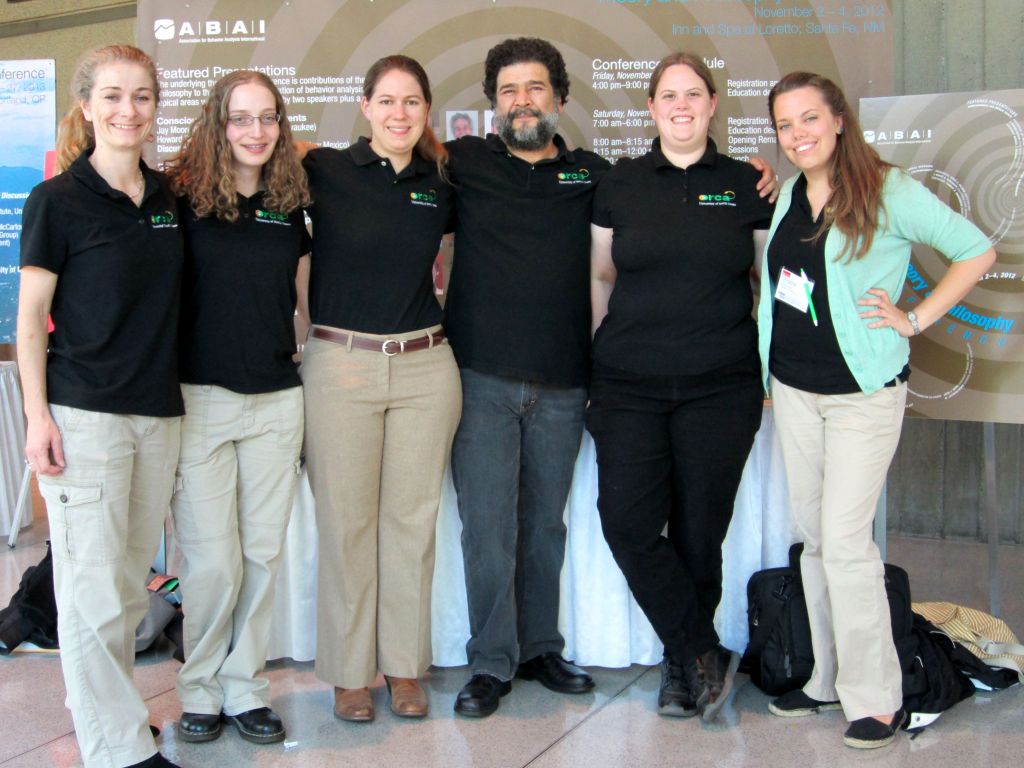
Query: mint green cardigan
point(911, 215)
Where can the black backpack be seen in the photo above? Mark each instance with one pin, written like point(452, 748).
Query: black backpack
point(32, 612)
point(779, 656)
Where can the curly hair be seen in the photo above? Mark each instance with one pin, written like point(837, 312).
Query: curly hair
point(520, 50)
point(428, 147)
point(856, 172)
point(203, 168)
point(75, 134)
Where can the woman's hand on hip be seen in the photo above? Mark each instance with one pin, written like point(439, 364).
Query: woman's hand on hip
point(889, 316)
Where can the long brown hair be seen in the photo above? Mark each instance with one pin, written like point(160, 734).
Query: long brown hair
point(75, 133)
point(203, 168)
point(856, 172)
point(428, 147)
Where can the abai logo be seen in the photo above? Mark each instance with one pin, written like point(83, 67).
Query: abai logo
point(208, 29)
point(901, 136)
point(163, 29)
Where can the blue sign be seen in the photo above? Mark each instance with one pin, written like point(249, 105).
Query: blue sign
point(27, 132)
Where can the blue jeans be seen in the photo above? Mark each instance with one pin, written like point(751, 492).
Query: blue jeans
point(512, 465)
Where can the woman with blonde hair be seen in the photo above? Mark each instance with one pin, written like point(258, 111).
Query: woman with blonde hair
point(835, 354)
point(243, 191)
point(101, 253)
point(382, 392)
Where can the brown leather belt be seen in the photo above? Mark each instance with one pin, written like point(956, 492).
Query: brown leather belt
point(389, 347)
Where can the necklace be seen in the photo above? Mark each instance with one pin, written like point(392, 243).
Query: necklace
point(138, 187)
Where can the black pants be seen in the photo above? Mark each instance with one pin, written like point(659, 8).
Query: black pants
point(671, 450)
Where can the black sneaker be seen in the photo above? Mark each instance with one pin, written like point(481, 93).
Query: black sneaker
point(868, 733)
point(681, 689)
point(799, 704)
point(718, 670)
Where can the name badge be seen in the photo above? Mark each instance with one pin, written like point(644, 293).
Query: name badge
point(795, 290)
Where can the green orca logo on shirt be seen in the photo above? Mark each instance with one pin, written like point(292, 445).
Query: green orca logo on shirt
point(271, 217)
point(428, 198)
point(717, 198)
point(163, 220)
point(582, 176)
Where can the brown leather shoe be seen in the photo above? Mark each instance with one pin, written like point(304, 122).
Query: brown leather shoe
point(353, 704)
point(407, 697)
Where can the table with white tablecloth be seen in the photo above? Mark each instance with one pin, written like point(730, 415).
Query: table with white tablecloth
point(12, 446)
point(601, 623)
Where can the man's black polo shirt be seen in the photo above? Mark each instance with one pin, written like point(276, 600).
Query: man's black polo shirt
point(375, 237)
point(519, 299)
point(115, 307)
point(683, 248)
point(238, 297)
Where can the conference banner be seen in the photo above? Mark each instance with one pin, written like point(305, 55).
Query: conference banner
point(318, 50)
point(967, 148)
point(27, 126)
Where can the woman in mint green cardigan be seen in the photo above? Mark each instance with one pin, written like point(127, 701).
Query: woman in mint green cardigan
point(834, 355)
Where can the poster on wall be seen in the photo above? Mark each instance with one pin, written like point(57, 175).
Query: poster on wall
point(27, 120)
point(318, 50)
point(967, 148)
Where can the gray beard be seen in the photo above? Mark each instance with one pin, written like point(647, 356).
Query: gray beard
point(529, 139)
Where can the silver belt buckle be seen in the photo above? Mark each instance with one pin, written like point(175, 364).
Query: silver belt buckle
point(400, 345)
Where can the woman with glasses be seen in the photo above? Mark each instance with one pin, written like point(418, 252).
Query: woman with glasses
point(243, 190)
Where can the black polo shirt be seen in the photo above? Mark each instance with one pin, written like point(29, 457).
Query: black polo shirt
point(803, 355)
point(375, 237)
point(238, 297)
point(519, 298)
point(115, 307)
point(683, 248)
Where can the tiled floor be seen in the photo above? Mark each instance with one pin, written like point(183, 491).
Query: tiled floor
point(613, 726)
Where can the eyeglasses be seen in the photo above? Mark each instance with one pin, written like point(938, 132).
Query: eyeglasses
point(244, 121)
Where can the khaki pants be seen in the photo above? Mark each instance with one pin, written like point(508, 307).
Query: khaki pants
point(233, 497)
point(378, 435)
point(837, 450)
point(106, 512)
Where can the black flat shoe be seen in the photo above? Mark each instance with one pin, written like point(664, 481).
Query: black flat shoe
point(796, 703)
point(556, 674)
point(260, 726)
point(156, 761)
point(196, 728)
point(868, 733)
point(481, 695)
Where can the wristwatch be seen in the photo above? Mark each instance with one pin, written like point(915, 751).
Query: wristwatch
point(913, 323)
